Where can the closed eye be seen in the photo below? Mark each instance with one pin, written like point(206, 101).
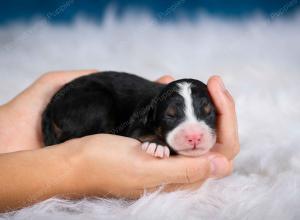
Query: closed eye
point(170, 116)
point(171, 112)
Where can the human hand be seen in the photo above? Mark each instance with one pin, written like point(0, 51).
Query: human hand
point(100, 164)
point(227, 142)
point(20, 119)
point(20, 126)
point(110, 165)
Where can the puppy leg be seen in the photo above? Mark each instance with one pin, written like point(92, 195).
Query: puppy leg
point(156, 150)
point(155, 147)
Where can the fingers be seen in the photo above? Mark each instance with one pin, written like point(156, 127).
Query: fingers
point(63, 77)
point(70, 75)
point(185, 170)
point(165, 79)
point(197, 184)
point(180, 170)
point(170, 187)
point(46, 86)
point(66, 76)
point(227, 130)
point(58, 78)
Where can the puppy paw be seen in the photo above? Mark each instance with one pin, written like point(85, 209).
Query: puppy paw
point(156, 150)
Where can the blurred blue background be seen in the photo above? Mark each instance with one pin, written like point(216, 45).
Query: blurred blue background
point(16, 10)
point(249, 39)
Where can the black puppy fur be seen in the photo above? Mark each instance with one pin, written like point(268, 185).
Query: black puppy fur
point(120, 103)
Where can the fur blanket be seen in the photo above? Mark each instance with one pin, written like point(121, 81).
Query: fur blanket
point(258, 59)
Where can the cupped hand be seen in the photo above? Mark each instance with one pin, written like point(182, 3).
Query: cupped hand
point(110, 165)
point(114, 165)
point(20, 119)
point(20, 127)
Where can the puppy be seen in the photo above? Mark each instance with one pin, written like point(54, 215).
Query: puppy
point(178, 118)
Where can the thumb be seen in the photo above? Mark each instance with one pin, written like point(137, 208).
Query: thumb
point(227, 129)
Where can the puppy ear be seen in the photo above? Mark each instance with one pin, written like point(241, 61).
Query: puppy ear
point(148, 113)
point(143, 117)
point(140, 122)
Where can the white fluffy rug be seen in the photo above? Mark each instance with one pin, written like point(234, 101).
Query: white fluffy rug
point(259, 60)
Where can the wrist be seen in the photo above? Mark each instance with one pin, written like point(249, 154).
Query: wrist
point(7, 128)
point(37, 175)
point(89, 176)
point(78, 181)
point(69, 164)
point(60, 169)
point(16, 134)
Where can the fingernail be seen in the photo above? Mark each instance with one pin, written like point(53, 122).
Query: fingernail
point(221, 84)
point(217, 165)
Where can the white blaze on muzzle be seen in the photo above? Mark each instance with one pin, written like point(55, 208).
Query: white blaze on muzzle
point(192, 137)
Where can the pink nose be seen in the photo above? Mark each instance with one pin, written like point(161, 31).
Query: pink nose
point(193, 139)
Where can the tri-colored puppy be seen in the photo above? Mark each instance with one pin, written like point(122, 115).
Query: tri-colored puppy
point(177, 118)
